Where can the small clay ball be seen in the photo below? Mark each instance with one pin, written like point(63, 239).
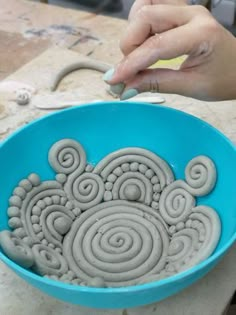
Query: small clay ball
point(62, 225)
point(28, 240)
point(143, 168)
point(132, 192)
point(112, 178)
point(45, 242)
point(34, 179)
point(26, 184)
point(19, 191)
point(134, 166)
point(69, 205)
point(36, 210)
point(37, 228)
point(23, 97)
point(149, 173)
point(155, 205)
point(125, 167)
point(13, 212)
point(48, 201)
point(40, 235)
point(61, 178)
point(118, 171)
point(97, 282)
point(172, 229)
point(76, 211)
point(15, 223)
point(41, 204)
point(155, 180)
point(15, 201)
point(56, 199)
point(156, 196)
point(63, 201)
point(157, 188)
point(107, 196)
point(108, 186)
point(89, 168)
point(34, 219)
point(20, 232)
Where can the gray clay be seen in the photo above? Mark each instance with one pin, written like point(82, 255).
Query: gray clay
point(132, 192)
point(48, 261)
point(23, 97)
point(176, 202)
point(85, 190)
point(40, 209)
point(97, 282)
point(125, 221)
point(145, 159)
point(200, 174)
point(83, 64)
point(89, 244)
point(66, 156)
point(16, 249)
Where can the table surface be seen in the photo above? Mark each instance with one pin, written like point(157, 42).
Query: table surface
point(27, 29)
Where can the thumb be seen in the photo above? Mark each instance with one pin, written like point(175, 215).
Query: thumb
point(181, 82)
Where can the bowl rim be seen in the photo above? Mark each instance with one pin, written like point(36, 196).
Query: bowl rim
point(134, 288)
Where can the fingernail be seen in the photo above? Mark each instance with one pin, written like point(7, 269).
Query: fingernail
point(109, 74)
point(128, 94)
point(117, 88)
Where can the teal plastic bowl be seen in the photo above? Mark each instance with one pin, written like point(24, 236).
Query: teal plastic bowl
point(102, 128)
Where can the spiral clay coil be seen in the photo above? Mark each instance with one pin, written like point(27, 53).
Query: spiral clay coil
point(124, 221)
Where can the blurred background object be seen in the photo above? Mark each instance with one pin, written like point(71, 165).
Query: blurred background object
point(223, 10)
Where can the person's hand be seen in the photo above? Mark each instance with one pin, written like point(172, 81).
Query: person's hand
point(167, 31)
point(139, 4)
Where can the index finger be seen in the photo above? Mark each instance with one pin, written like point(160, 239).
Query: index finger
point(138, 4)
point(150, 20)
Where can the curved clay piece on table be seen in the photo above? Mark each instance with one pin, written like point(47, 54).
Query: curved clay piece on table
point(83, 64)
point(99, 243)
point(16, 249)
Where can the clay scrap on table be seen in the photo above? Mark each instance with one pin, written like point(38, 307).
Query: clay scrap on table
point(124, 222)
